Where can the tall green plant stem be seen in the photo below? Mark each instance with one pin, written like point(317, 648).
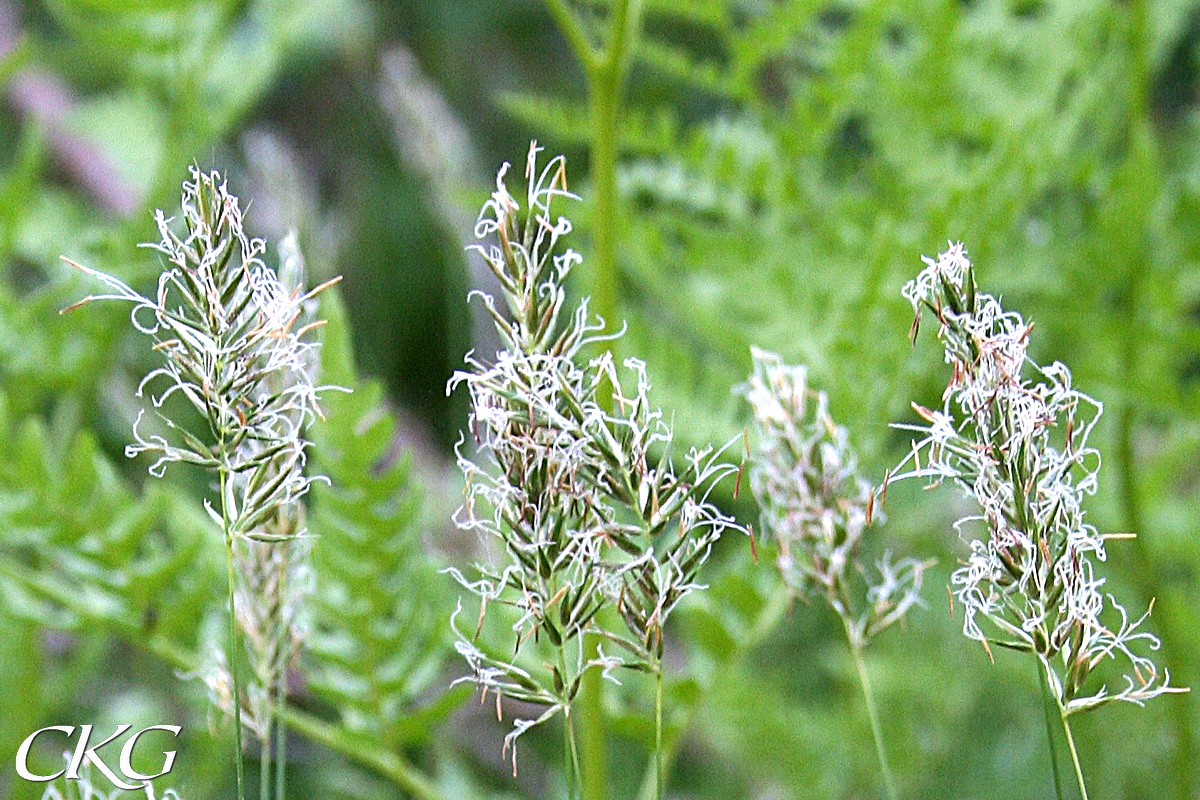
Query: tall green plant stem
point(1130, 498)
point(379, 759)
point(569, 770)
point(889, 783)
point(1143, 157)
point(1074, 756)
point(233, 639)
point(605, 71)
point(605, 84)
point(1144, 571)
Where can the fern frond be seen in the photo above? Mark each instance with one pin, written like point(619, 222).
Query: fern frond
point(74, 529)
point(377, 639)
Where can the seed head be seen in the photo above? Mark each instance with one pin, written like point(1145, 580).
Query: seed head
point(1019, 447)
point(572, 477)
point(806, 481)
point(235, 346)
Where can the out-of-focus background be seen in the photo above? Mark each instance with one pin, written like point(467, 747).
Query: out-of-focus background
point(772, 175)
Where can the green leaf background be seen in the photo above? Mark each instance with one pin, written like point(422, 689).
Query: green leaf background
point(782, 166)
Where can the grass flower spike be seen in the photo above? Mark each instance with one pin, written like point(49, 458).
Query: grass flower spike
point(236, 347)
point(813, 501)
point(1019, 447)
point(226, 328)
point(584, 501)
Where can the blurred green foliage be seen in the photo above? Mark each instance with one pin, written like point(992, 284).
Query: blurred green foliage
point(781, 165)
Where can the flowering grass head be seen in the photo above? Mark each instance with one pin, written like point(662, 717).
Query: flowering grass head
point(817, 506)
point(1019, 446)
point(235, 338)
point(573, 477)
point(234, 347)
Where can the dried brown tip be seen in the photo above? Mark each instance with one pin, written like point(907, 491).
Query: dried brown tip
point(76, 305)
point(312, 326)
point(737, 484)
point(923, 412)
point(753, 546)
point(331, 282)
point(988, 650)
point(531, 159)
point(1142, 680)
point(479, 625)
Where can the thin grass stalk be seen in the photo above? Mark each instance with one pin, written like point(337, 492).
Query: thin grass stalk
point(568, 764)
point(281, 737)
point(591, 705)
point(234, 672)
point(1049, 706)
point(764, 622)
point(659, 762)
point(275, 737)
point(574, 749)
point(264, 766)
point(889, 783)
point(571, 768)
point(1066, 724)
